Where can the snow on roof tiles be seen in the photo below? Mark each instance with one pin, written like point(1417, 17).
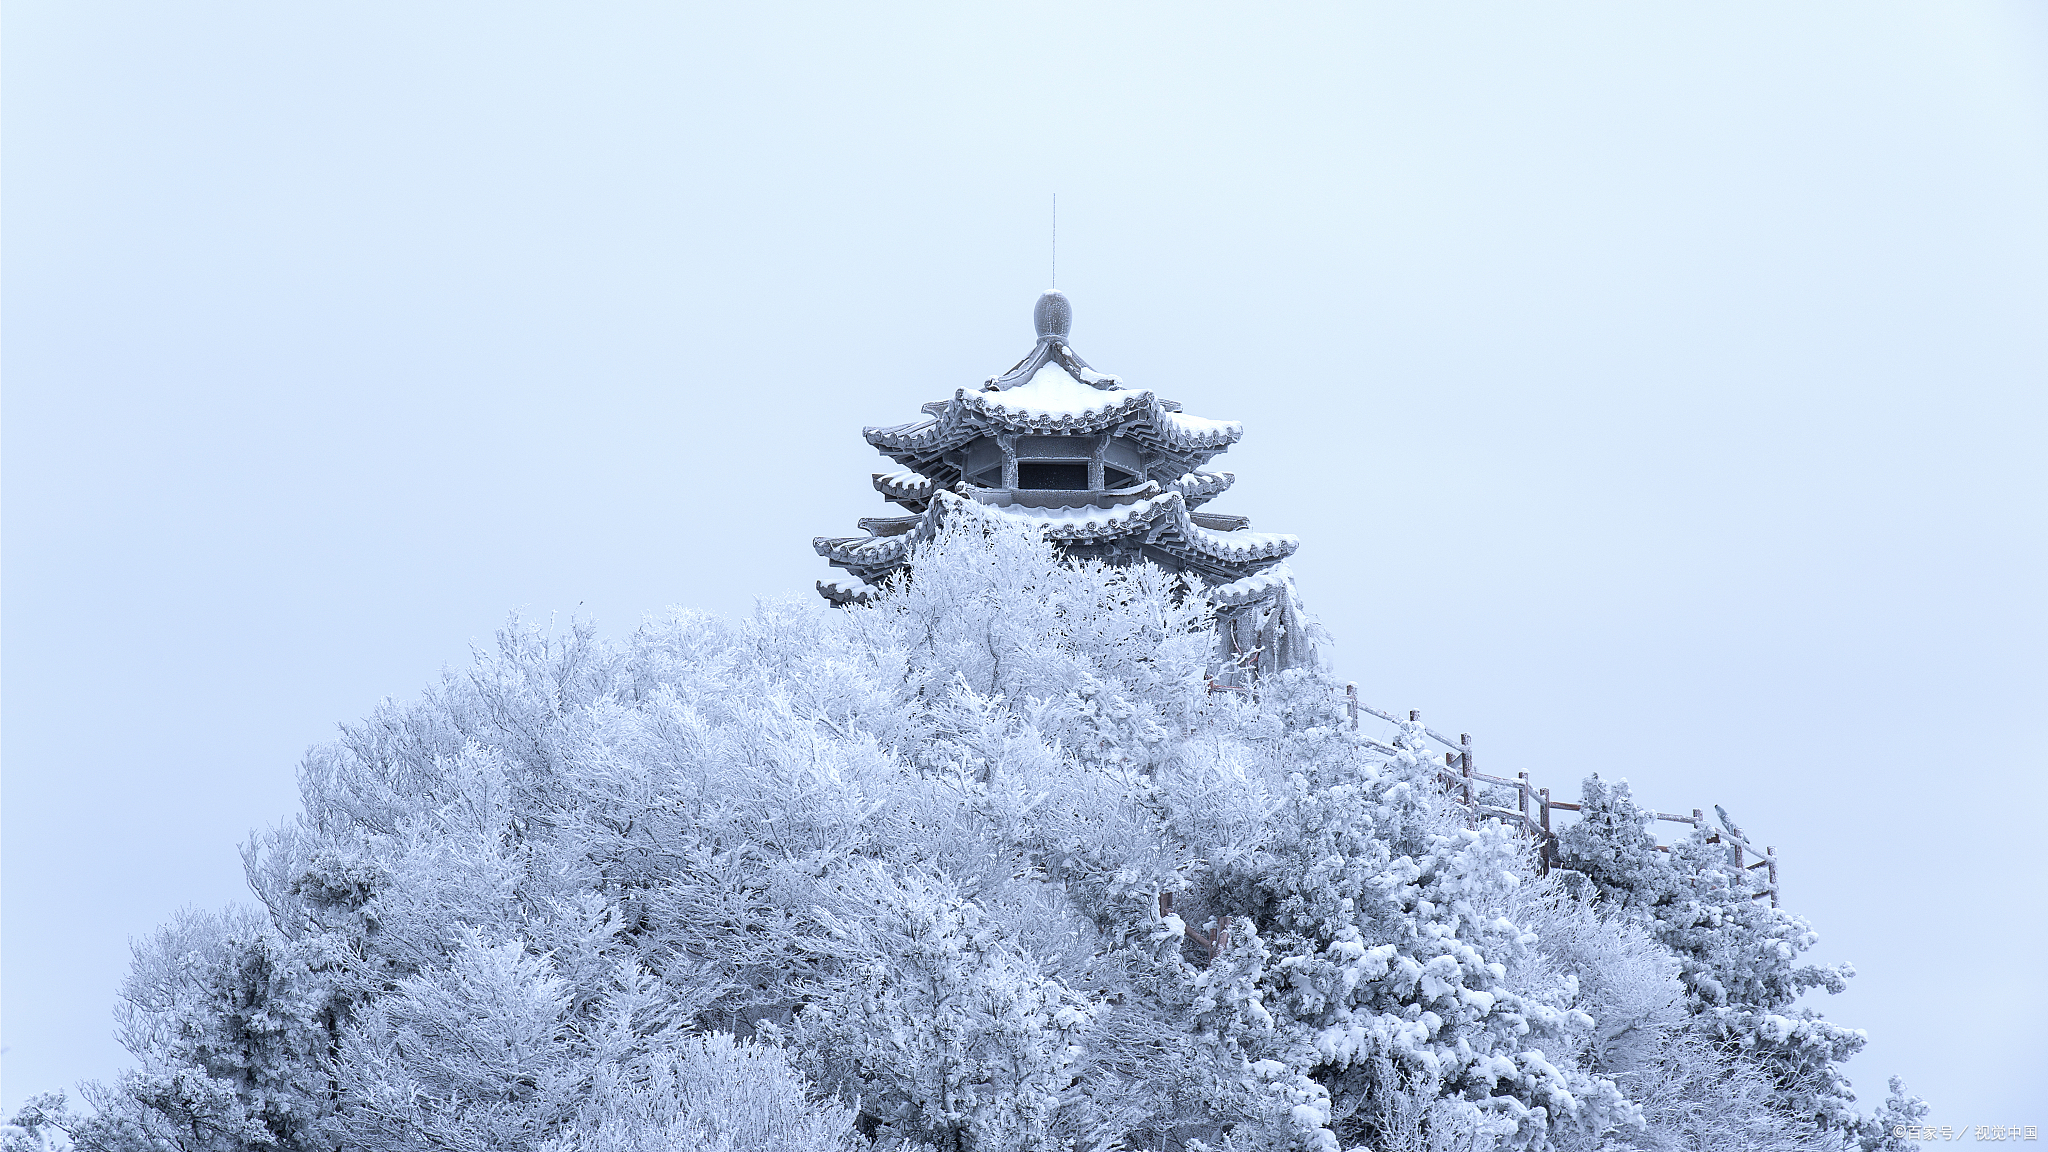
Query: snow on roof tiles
point(1160, 521)
point(1053, 390)
point(1054, 408)
point(1253, 587)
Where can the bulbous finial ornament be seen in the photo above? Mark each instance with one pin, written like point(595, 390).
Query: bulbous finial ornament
point(1053, 314)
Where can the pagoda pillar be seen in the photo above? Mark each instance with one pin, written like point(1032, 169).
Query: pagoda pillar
point(1007, 441)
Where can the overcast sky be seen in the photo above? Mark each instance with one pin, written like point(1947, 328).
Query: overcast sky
point(1657, 390)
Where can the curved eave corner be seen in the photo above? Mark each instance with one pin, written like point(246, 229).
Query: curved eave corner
point(1250, 589)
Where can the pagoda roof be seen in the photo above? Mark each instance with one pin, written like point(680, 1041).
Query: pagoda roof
point(1162, 522)
point(1055, 403)
point(842, 591)
point(905, 487)
point(1052, 348)
point(1198, 488)
point(1052, 391)
point(1249, 589)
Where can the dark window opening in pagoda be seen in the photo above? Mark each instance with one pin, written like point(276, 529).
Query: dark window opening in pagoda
point(1040, 475)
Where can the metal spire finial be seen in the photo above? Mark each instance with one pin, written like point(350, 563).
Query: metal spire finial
point(1053, 315)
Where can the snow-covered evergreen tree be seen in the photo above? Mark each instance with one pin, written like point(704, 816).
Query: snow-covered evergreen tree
point(708, 1093)
point(982, 865)
point(1736, 958)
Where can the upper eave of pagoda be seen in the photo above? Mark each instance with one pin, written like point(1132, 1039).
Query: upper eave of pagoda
point(1053, 392)
point(1056, 403)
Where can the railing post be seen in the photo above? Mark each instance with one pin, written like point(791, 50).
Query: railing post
point(1465, 758)
point(1771, 854)
point(1543, 851)
point(1351, 703)
point(1414, 714)
point(1522, 790)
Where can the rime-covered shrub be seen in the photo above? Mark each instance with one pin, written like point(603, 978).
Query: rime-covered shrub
point(708, 1093)
point(983, 865)
point(1736, 961)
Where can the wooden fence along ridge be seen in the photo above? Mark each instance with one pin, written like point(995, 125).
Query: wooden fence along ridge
point(1459, 777)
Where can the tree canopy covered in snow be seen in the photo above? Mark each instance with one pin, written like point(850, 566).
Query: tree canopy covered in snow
point(983, 865)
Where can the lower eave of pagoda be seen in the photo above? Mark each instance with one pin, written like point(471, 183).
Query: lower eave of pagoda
point(1158, 525)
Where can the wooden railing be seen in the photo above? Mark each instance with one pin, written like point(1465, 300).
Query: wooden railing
point(1214, 941)
point(1532, 813)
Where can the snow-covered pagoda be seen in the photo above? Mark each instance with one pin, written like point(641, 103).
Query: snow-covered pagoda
point(1107, 472)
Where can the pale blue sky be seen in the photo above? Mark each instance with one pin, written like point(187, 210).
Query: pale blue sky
point(1656, 389)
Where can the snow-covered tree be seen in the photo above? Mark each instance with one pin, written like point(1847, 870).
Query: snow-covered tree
point(478, 1056)
point(945, 1029)
point(1737, 957)
point(708, 1093)
point(983, 864)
